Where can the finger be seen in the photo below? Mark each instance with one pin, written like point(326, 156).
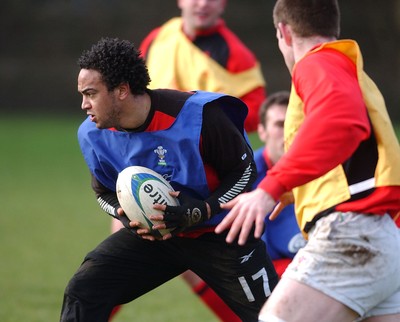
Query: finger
point(143, 231)
point(236, 228)
point(120, 212)
point(277, 210)
point(157, 217)
point(159, 226)
point(158, 206)
point(167, 236)
point(245, 229)
point(229, 204)
point(259, 229)
point(169, 209)
point(149, 237)
point(233, 221)
point(134, 224)
point(225, 223)
point(174, 193)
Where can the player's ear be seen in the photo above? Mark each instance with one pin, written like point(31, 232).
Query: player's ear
point(179, 4)
point(262, 134)
point(123, 90)
point(284, 31)
point(224, 5)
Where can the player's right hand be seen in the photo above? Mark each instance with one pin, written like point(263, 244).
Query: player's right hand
point(134, 226)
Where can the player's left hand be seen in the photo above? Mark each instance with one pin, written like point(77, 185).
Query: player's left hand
point(286, 199)
point(190, 212)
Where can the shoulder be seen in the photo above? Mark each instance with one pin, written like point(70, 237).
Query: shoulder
point(326, 62)
point(168, 101)
point(147, 41)
point(241, 57)
point(323, 67)
point(236, 44)
point(232, 107)
point(173, 25)
point(259, 156)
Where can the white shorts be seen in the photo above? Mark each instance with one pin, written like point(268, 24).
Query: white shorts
point(355, 259)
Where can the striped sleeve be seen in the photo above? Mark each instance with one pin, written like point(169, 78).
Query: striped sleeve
point(106, 198)
point(228, 158)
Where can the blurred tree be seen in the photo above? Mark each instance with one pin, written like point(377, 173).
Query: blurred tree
point(42, 39)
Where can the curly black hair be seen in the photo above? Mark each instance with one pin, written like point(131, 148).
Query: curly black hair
point(118, 61)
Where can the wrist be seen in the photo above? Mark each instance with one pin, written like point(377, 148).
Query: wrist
point(273, 187)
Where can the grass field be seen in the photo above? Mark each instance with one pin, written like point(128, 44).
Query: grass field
point(50, 220)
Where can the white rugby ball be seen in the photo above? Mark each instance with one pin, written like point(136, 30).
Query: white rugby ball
point(138, 189)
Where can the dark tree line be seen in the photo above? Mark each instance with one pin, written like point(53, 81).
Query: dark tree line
point(42, 39)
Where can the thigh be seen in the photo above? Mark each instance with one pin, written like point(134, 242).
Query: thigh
point(122, 268)
point(388, 310)
point(383, 318)
point(243, 276)
point(351, 259)
point(297, 302)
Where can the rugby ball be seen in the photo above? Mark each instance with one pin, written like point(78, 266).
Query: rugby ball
point(138, 189)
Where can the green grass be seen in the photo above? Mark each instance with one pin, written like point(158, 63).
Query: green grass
point(50, 220)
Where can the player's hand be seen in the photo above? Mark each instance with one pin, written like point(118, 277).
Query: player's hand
point(190, 212)
point(286, 199)
point(134, 226)
point(247, 209)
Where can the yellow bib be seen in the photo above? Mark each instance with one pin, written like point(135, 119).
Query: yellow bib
point(332, 188)
point(174, 62)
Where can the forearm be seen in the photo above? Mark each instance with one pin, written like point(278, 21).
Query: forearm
point(109, 203)
point(106, 198)
point(231, 186)
point(234, 167)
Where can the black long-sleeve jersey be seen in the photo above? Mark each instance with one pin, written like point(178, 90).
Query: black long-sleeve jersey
point(222, 148)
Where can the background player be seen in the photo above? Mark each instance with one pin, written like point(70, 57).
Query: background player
point(197, 51)
point(282, 236)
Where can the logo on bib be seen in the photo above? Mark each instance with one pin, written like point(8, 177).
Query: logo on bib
point(161, 152)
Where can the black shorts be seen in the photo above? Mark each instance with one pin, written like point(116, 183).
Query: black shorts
point(124, 267)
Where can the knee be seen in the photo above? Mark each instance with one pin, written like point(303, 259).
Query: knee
point(73, 287)
point(83, 283)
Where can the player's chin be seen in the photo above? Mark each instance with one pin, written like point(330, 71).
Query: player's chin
point(100, 125)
